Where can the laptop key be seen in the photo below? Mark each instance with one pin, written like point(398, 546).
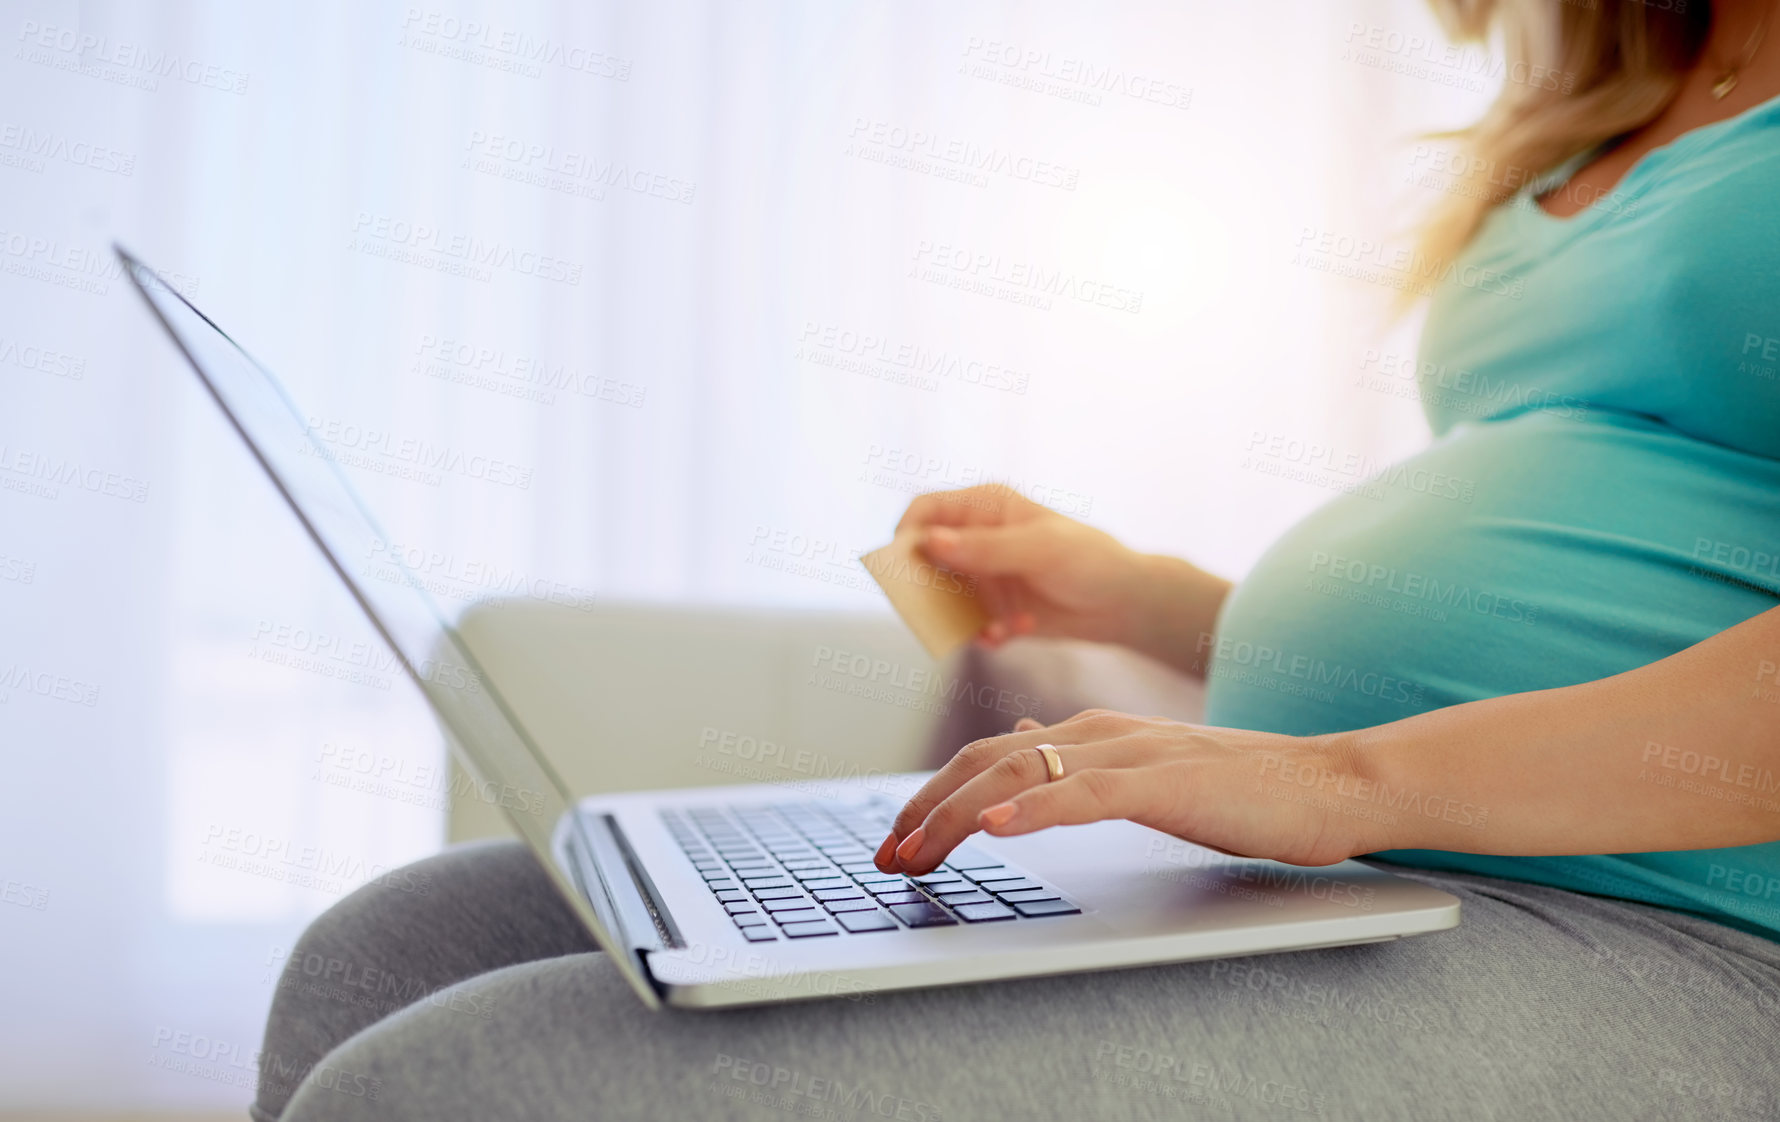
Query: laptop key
point(731, 896)
point(749, 919)
point(842, 892)
point(853, 904)
point(1002, 887)
point(938, 878)
point(968, 857)
point(807, 930)
point(990, 878)
point(873, 920)
point(883, 887)
point(968, 896)
point(910, 897)
point(797, 915)
point(850, 852)
point(757, 883)
point(787, 893)
point(817, 884)
point(857, 867)
point(740, 907)
point(784, 904)
point(1027, 896)
point(1046, 908)
point(923, 914)
point(759, 935)
point(983, 913)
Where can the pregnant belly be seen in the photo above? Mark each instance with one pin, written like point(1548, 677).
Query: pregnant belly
point(1572, 549)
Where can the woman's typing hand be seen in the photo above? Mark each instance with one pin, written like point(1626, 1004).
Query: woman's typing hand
point(1252, 794)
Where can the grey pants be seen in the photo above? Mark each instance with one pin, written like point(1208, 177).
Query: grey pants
point(482, 999)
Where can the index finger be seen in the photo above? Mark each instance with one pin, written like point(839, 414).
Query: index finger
point(970, 761)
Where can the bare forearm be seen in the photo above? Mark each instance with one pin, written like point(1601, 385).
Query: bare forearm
point(1174, 609)
point(1681, 754)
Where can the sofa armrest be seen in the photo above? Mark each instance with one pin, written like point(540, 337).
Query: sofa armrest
point(631, 696)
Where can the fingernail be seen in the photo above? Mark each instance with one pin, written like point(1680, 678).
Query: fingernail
point(1000, 814)
point(885, 851)
point(995, 631)
point(942, 538)
point(911, 845)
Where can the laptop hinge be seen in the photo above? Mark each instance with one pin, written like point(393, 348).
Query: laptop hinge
point(644, 922)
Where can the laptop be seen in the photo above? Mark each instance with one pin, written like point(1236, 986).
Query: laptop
point(741, 895)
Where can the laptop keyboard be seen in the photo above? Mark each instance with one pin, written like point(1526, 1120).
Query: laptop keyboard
point(804, 870)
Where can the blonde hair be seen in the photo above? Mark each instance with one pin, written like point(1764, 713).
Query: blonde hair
point(1579, 73)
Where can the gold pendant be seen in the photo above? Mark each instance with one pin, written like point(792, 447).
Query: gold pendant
point(1724, 85)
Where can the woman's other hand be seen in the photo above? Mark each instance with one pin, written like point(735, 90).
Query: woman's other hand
point(1041, 573)
point(1038, 572)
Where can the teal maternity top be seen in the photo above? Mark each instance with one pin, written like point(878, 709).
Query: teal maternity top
point(1603, 490)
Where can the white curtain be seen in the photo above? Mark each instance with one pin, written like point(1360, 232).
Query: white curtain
point(600, 301)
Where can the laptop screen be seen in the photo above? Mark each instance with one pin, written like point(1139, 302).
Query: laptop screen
point(486, 734)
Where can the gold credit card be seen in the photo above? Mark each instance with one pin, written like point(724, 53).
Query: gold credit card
point(938, 604)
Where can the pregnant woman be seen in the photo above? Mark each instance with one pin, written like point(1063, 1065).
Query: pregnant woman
point(1537, 665)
